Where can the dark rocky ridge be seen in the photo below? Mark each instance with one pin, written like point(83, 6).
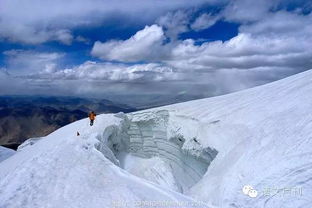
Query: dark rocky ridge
point(24, 117)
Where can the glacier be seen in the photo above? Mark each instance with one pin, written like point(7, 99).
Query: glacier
point(201, 153)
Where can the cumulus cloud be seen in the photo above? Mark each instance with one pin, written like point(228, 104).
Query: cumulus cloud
point(144, 45)
point(243, 52)
point(265, 49)
point(253, 47)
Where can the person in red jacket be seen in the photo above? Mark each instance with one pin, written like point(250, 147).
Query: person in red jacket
point(92, 117)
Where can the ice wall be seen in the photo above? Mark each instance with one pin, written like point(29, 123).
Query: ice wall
point(173, 160)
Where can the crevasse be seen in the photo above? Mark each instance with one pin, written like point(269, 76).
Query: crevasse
point(142, 145)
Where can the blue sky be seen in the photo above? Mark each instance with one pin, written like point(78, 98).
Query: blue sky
point(156, 48)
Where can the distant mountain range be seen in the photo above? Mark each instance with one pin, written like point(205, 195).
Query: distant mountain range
point(141, 102)
point(23, 117)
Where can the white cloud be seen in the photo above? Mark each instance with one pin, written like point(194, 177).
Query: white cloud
point(250, 49)
point(82, 39)
point(204, 21)
point(38, 21)
point(247, 10)
point(111, 72)
point(23, 62)
point(281, 23)
point(144, 45)
point(268, 46)
point(175, 23)
point(63, 36)
point(271, 39)
point(243, 52)
point(16, 32)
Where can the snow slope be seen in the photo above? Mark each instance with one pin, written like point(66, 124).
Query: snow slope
point(205, 150)
point(64, 170)
point(264, 138)
point(5, 153)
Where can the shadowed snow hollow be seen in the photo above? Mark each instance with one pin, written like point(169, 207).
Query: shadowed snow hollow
point(147, 146)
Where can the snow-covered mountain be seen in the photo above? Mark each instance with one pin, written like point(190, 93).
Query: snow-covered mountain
point(201, 153)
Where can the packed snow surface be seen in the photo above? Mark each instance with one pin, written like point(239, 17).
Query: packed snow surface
point(247, 149)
